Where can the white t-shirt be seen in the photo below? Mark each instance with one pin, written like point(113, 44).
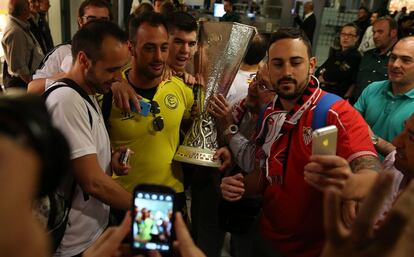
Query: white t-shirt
point(240, 86)
point(87, 219)
point(367, 42)
point(51, 64)
point(66, 63)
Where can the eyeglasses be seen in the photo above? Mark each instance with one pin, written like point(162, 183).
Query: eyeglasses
point(158, 122)
point(347, 35)
point(261, 84)
point(92, 17)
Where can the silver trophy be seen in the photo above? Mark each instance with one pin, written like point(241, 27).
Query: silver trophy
point(221, 49)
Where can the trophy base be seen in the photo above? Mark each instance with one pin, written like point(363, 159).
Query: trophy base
point(197, 156)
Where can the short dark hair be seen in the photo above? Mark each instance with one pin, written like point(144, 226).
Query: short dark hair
point(182, 21)
point(391, 22)
point(292, 33)
point(351, 24)
point(90, 37)
point(95, 3)
point(17, 8)
point(152, 18)
point(143, 7)
point(364, 8)
point(230, 1)
point(167, 8)
point(256, 51)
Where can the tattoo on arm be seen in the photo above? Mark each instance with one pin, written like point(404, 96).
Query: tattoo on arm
point(366, 162)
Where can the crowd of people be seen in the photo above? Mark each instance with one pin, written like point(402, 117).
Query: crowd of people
point(84, 110)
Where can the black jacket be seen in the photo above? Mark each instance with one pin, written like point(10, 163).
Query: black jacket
point(308, 25)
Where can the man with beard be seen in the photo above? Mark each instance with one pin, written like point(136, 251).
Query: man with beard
point(292, 221)
point(100, 50)
point(152, 136)
point(182, 44)
point(385, 105)
point(373, 66)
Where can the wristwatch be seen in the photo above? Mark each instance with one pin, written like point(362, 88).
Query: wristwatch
point(374, 139)
point(231, 130)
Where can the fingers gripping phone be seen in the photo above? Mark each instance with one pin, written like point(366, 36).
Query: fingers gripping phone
point(152, 218)
point(145, 107)
point(324, 140)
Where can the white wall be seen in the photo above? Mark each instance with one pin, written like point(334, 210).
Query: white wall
point(74, 6)
point(55, 21)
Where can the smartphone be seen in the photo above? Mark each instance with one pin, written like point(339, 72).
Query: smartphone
point(152, 218)
point(124, 158)
point(145, 107)
point(324, 140)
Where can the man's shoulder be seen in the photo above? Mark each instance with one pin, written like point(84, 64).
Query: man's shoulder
point(177, 82)
point(63, 47)
point(312, 16)
point(369, 54)
point(12, 32)
point(62, 50)
point(52, 62)
point(377, 86)
point(372, 95)
point(62, 93)
point(340, 107)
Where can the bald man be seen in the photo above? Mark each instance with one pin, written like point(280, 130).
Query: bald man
point(308, 23)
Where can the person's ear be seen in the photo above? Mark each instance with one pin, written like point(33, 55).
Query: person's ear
point(394, 33)
point(83, 60)
point(80, 22)
point(312, 65)
point(131, 48)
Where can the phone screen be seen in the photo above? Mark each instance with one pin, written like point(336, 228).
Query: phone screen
point(152, 220)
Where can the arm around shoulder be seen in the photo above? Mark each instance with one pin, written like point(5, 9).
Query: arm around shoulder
point(36, 86)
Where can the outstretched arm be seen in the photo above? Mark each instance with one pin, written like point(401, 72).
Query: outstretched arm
point(393, 238)
point(353, 180)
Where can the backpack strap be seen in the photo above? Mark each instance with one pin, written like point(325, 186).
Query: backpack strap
point(72, 84)
point(322, 108)
point(106, 107)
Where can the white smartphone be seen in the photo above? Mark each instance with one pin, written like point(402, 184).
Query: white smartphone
point(324, 140)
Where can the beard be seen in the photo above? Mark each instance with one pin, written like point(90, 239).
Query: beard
point(92, 81)
point(297, 92)
point(150, 74)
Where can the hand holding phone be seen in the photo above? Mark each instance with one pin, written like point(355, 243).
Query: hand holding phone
point(124, 158)
point(324, 140)
point(152, 218)
point(145, 107)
